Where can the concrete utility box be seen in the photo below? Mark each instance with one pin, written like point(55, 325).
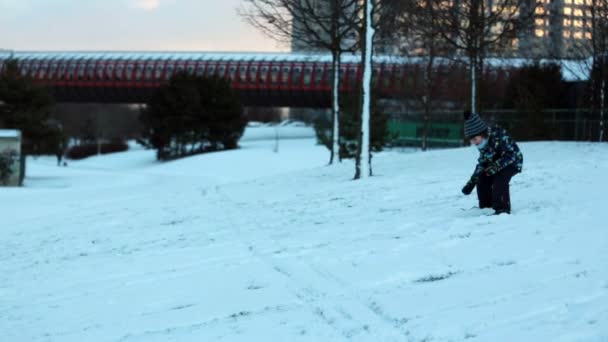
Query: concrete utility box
point(10, 158)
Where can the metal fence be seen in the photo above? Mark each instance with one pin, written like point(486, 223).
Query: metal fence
point(552, 124)
point(446, 127)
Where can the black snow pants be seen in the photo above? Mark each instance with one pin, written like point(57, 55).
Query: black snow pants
point(493, 191)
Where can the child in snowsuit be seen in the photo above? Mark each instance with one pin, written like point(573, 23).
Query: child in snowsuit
point(499, 160)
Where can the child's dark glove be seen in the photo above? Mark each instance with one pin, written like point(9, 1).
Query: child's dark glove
point(468, 188)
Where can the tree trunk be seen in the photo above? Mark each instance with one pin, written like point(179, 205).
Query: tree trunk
point(335, 137)
point(363, 167)
point(601, 137)
point(428, 83)
point(473, 84)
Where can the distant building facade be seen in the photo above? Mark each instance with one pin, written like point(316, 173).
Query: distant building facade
point(562, 28)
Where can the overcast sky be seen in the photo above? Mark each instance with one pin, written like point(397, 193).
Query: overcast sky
point(199, 25)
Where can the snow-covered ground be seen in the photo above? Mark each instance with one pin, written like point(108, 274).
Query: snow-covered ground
point(252, 245)
point(284, 130)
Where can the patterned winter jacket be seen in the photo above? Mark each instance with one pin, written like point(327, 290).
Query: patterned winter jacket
point(500, 152)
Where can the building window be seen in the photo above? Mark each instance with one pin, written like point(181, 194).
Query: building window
point(42, 71)
point(577, 23)
point(81, 70)
point(109, 72)
point(149, 71)
point(130, 68)
point(90, 70)
point(285, 75)
point(567, 33)
point(274, 75)
point(263, 74)
point(169, 71)
point(210, 70)
point(200, 70)
point(539, 33)
point(231, 72)
point(577, 35)
point(568, 10)
point(578, 12)
point(588, 35)
point(297, 75)
point(318, 76)
point(99, 72)
point(307, 75)
point(515, 43)
point(71, 71)
point(242, 74)
point(139, 71)
point(24, 68)
point(567, 22)
point(253, 73)
point(119, 71)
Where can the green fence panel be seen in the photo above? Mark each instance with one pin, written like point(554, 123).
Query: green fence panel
point(441, 134)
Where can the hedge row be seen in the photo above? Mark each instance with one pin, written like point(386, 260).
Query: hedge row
point(90, 149)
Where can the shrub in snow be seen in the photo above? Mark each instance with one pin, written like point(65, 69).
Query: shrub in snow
point(7, 158)
point(531, 90)
point(350, 127)
point(89, 149)
point(192, 115)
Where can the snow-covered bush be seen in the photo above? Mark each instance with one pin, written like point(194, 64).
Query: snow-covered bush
point(7, 159)
point(89, 149)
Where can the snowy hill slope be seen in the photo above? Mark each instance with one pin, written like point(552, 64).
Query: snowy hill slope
point(250, 245)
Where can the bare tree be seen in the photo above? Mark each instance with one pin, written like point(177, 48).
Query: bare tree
point(586, 42)
point(475, 28)
point(599, 43)
point(420, 38)
point(328, 25)
point(597, 25)
point(363, 166)
point(379, 16)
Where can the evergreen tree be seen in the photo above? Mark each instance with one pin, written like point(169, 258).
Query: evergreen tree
point(26, 107)
point(350, 117)
point(532, 90)
point(223, 117)
point(192, 115)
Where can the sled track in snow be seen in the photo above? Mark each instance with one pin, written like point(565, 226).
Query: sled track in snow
point(341, 318)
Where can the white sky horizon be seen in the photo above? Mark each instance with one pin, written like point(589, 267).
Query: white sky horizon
point(129, 25)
